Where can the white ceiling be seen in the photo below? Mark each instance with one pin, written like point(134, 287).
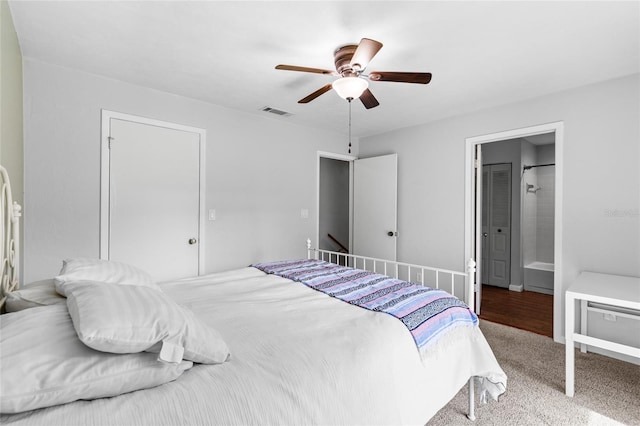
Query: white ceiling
point(482, 54)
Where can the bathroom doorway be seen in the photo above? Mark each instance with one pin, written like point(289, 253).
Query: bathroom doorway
point(518, 189)
point(476, 148)
point(518, 203)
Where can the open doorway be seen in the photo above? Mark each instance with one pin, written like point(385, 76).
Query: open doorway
point(518, 197)
point(475, 150)
point(333, 205)
point(357, 204)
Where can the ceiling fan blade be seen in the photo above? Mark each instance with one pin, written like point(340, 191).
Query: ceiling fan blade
point(368, 100)
point(365, 51)
point(315, 94)
point(304, 69)
point(401, 77)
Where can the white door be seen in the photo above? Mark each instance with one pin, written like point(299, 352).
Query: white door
point(485, 224)
point(375, 186)
point(154, 198)
point(479, 219)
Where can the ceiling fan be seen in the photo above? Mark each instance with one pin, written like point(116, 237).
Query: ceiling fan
point(351, 61)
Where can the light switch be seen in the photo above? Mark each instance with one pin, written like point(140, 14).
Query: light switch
point(212, 214)
point(304, 213)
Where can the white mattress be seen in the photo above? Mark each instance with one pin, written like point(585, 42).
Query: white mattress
point(298, 357)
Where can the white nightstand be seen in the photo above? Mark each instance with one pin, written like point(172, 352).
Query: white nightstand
point(612, 290)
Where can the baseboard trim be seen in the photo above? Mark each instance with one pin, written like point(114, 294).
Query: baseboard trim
point(514, 287)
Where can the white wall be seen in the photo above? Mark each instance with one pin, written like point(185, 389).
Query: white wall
point(261, 171)
point(601, 195)
point(11, 135)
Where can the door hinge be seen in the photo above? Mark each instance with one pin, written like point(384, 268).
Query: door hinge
point(476, 163)
point(109, 139)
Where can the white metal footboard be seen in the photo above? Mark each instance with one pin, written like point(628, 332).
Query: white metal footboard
point(9, 228)
point(459, 284)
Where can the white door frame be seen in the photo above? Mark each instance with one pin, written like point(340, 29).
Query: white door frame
point(478, 176)
point(105, 167)
point(342, 157)
point(469, 225)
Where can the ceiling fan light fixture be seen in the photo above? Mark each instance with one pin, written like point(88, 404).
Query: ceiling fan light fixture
point(350, 87)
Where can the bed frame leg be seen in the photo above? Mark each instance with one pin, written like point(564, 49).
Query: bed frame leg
point(472, 400)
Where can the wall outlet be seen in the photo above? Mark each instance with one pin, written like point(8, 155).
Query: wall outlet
point(304, 213)
point(212, 214)
point(419, 277)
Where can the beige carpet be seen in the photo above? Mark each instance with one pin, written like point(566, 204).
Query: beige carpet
point(607, 390)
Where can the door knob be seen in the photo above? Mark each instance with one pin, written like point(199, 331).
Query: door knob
point(484, 234)
point(499, 230)
point(192, 241)
point(390, 233)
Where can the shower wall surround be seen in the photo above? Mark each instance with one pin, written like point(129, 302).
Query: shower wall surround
point(538, 216)
point(545, 210)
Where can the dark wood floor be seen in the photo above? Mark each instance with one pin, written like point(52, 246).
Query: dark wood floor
point(526, 310)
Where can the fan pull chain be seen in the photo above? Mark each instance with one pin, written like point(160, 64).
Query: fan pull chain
point(349, 125)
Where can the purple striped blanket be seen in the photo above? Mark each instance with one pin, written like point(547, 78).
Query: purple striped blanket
point(425, 311)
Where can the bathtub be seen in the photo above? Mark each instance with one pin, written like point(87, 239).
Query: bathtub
point(538, 276)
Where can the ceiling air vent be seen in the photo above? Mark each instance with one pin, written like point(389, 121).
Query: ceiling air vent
point(276, 111)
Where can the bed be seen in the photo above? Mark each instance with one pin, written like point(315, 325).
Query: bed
point(262, 344)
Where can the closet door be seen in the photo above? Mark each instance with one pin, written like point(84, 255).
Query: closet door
point(154, 198)
point(498, 224)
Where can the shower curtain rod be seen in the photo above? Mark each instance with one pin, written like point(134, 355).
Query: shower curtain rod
point(539, 165)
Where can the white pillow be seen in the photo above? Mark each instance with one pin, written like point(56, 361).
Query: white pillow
point(128, 319)
point(39, 293)
point(44, 364)
point(107, 271)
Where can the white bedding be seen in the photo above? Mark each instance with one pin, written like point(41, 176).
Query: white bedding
point(297, 357)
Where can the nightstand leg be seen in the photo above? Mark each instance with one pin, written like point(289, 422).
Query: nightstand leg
point(569, 346)
point(583, 323)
